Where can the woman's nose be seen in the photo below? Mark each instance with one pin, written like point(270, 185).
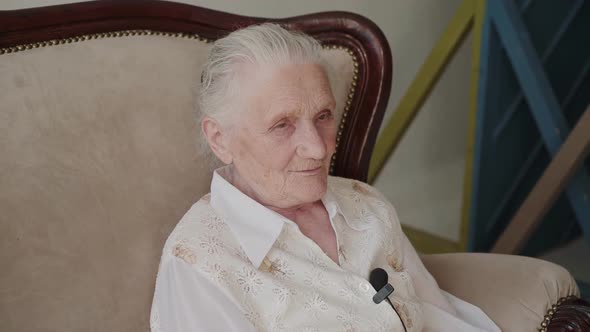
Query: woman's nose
point(311, 143)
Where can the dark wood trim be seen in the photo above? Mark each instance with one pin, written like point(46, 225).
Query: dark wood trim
point(570, 314)
point(353, 31)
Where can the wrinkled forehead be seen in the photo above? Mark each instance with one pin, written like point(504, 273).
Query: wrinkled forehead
point(272, 86)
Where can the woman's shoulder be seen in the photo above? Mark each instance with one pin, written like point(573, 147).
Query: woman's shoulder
point(201, 231)
point(358, 199)
point(197, 216)
point(348, 187)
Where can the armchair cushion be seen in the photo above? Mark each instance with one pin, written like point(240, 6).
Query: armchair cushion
point(514, 291)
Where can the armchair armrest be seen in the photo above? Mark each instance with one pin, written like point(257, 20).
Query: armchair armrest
point(518, 293)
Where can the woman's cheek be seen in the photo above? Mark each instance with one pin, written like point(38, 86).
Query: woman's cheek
point(330, 139)
point(275, 151)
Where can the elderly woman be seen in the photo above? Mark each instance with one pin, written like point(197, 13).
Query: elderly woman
point(278, 245)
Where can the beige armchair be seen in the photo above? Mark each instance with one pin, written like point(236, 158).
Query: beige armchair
point(100, 159)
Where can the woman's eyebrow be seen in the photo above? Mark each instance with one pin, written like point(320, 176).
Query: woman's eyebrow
point(285, 108)
point(325, 101)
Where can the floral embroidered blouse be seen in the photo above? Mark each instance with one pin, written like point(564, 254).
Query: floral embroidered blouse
point(232, 264)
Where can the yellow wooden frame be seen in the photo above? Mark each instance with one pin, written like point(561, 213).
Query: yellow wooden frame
point(469, 15)
point(478, 14)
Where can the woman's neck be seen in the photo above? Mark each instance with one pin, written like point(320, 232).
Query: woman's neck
point(292, 213)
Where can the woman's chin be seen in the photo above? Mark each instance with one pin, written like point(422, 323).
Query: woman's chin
point(310, 190)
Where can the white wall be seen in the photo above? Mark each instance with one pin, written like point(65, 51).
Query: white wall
point(424, 178)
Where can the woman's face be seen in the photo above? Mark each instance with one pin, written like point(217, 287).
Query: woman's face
point(282, 143)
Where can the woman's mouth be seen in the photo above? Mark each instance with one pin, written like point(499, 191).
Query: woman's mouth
point(310, 171)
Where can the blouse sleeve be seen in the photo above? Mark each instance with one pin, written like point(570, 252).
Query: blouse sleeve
point(441, 307)
point(184, 300)
point(425, 285)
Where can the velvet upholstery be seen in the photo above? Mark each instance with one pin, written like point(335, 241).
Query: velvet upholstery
point(514, 291)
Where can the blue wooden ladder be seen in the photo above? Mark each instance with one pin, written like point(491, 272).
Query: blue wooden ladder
point(535, 61)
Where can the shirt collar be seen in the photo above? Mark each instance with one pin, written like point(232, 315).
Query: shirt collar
point(330, 203)
point(255, 226)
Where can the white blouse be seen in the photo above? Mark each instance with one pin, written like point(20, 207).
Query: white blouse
point(232, 264)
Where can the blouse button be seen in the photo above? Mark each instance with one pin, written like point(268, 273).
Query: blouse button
point(364, 287)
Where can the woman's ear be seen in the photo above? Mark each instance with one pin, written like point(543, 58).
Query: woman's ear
point(217, 139)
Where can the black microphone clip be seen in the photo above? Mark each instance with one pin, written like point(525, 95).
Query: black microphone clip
point(378, 280)
point(383, 293)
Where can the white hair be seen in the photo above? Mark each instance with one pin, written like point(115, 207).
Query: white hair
point(264, 44)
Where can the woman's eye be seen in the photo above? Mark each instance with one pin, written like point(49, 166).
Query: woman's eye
point(325, 115)
point(281, 126)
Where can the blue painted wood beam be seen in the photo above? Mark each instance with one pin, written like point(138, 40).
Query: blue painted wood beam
point(519, 98)
point(489, 57)
point(543, 103)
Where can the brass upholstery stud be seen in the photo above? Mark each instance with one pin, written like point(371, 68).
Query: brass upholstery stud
point(552, 311)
